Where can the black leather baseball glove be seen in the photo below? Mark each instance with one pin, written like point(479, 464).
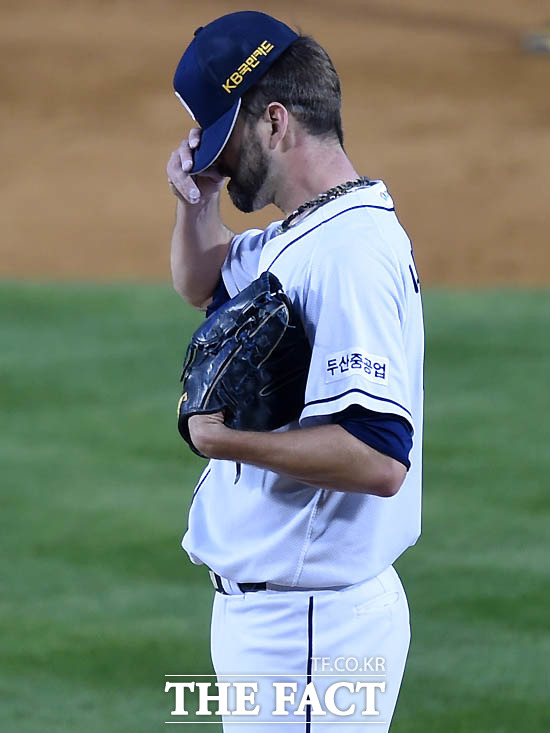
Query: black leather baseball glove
point(249, 359)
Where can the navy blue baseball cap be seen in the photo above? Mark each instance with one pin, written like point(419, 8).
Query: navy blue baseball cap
point(224, 59)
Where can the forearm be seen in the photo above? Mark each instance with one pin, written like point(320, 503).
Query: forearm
point(326, 456)
point(200, 239)
point(200, 242)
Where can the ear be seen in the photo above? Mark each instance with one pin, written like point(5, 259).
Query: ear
point(276, 115)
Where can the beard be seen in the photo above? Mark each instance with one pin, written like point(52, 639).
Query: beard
point(247, 181)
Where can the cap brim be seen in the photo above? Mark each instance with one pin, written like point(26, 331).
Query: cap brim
point(214, 139)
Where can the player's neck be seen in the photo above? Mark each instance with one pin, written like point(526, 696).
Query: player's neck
point(310, 171)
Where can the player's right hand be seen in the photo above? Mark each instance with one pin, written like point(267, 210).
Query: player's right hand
point(191, 188)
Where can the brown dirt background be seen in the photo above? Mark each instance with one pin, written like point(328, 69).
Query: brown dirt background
point(439, 100)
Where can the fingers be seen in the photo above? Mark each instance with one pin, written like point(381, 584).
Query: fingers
point(190, 188)
point(194, 137)
point(179, 167)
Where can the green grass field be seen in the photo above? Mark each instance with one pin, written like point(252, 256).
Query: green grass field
point(98, 601)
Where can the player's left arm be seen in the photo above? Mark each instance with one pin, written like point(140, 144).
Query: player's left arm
point(325, 456)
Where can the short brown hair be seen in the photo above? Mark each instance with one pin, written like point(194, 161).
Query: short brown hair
point(305, 81)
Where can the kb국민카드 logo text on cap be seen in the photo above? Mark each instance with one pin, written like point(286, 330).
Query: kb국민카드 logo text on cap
point(249, 64)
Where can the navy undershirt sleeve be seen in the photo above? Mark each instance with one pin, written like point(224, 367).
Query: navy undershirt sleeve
point(219, 297)
point(386, 433)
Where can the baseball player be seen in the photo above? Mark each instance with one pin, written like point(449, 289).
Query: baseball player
point(299, 527)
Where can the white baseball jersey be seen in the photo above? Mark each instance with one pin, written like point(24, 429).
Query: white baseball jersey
point(349, 271)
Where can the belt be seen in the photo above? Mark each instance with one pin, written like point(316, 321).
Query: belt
point(230, 587)
point(218, 583)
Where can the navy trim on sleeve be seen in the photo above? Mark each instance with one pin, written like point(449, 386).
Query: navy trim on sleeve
point(323, 400)
point(386, 433)
point(219, 297)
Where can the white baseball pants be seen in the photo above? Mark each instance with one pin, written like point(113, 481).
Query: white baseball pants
point(334, 657)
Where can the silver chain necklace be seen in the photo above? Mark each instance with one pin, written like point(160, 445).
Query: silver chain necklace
point(323, 198)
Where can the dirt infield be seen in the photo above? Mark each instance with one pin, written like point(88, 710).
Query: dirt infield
point(439, 100)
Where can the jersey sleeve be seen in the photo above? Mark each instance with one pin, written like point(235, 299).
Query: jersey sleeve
point(353, 305)
point(243, 258)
